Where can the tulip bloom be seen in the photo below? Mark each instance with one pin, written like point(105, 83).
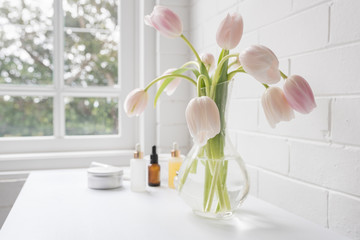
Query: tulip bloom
point(299, 94)
point(276, 107)
point(203, 119)
point(209, 61)
point(135, 102)
point(165, 21)
point(171, 87)
point(261, 63)
point(230, 31)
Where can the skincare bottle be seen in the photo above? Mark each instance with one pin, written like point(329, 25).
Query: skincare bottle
point(154, 169)
point(174, 164)
point(138, 171)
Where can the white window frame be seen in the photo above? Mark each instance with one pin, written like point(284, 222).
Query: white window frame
point(17, 151)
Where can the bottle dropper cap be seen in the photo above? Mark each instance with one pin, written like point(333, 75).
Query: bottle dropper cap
point(154, 156)
point(175, 151)
point(138, 153)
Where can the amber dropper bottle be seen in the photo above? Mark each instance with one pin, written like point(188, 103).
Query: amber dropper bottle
point(154, 169)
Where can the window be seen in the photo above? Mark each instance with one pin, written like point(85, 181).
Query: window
point(61, 70)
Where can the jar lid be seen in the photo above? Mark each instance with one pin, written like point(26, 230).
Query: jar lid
point(105, 171)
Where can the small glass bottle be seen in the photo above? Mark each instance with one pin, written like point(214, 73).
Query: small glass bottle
point(138, 171)
point(154, 169)
point(174, 164)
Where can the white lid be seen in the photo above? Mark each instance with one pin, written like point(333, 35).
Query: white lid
point(105, 171)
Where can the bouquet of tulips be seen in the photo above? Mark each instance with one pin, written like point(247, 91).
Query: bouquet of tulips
point(205, 113)
point(257, 60)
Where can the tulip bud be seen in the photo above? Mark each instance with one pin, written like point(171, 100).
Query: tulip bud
point(209, 61)
point(165, 21)
point(299, 94)
point(230, 31)
point(276, 107)
point(135, 102)
point(261, 63)
point(171, 87)
point(203, 119)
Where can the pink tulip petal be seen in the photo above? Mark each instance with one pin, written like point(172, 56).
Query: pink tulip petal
point(165, 21)
point(299, 94)
point(203, 119)
point(209, 61)
point(230, 31)
point(276, 107)
point(172, 86)
point(261, 63)
point(135, 102)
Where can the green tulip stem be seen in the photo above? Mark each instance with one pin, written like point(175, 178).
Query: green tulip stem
point(202, 77)
point(218, 71)
point(191, 47)
point(233, 73)
point(212, 187)
point(265, 85)
point(232, 64)
point(167, 76)
point(283, 75)
point(190, 63)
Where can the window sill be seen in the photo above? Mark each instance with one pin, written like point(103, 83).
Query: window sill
point(62, 160)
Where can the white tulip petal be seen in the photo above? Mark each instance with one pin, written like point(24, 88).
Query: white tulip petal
point(276, 107)
point(261, 63)
point(135, 102)
point(203, 119)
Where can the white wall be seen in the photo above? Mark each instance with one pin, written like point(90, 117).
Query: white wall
point(172, 53)
point(311, 165)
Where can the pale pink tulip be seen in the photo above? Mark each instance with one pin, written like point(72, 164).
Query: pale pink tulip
point(230, 31)
point(165, 21)
point(135, 102)
point(276, 107)
point(171, 87)
point(261, 63)
point(299, 94)
point(203, 119)
point(209, 61)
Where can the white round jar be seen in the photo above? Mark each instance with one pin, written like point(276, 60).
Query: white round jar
point(105, 177)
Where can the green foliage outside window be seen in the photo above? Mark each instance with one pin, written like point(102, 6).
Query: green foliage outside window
point(91, 37)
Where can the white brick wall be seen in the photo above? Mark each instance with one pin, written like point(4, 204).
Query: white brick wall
point(305, 200)
point(345, 125)
point(311, 165)
point(344, 214)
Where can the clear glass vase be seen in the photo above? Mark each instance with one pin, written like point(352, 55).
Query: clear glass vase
point(213, 179)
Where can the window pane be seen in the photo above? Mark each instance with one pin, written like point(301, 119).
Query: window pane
point(90, 59)
point(26, 42)
point(26, 116)
point(37, 13)
point(91, 116)
point(100, 14)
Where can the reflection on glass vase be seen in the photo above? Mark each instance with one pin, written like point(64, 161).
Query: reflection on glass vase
point(213, 179)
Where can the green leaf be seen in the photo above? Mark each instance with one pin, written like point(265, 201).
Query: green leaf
point(224, 69)
point(196, 73)
point(221, 56)
point(166, 82)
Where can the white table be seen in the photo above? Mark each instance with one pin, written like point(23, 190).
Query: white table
point(58, 205)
